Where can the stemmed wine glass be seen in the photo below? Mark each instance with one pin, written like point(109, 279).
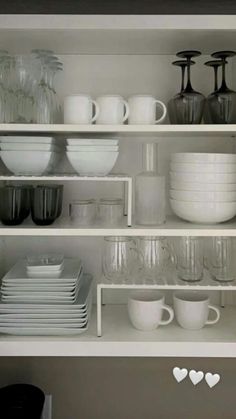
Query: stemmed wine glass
point(222, 102)
point(188, 104)
point(171, 108)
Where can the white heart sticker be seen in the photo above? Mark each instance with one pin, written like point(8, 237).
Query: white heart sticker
point(212, 379)
point(180, 374)
point(196, 376)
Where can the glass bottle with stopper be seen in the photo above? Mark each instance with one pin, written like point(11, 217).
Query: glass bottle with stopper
point(150, 199)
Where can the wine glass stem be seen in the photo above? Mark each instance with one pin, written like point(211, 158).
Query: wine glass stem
point(216, 78)
point(223, 75)
point(188, 87)
point(183, 74)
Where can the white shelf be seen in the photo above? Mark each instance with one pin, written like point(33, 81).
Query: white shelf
point(120, 339)
point(128, 130)
point(174, 227)
point(63, 177)
point(110, 34)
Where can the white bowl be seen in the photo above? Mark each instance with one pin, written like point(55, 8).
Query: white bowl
point(203, 196)
point(91, 141)
point(203, 168)
point(203, 177)
point(26, 139)
point(203, 158)
point(92, 148)
point(197, 186)
point(27, 162)
point(28, 147)
point(204, 212)
point(93, 163)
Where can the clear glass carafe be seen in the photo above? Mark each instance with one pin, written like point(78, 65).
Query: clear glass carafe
point(150, 197)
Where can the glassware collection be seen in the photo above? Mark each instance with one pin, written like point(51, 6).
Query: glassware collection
point(45, 295)
point(106, 212)
point(150, 260)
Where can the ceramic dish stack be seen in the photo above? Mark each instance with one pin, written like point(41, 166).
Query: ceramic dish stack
point(203, 186)
point(56, 301)
point(92, 157)
point(29, 155)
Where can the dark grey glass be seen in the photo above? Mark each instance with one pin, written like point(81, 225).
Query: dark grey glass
point(189, 104)
point(45, 204)
point(14, 204)
point(222, 102)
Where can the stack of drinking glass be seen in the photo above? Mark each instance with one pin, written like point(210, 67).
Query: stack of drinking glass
point(45, 295)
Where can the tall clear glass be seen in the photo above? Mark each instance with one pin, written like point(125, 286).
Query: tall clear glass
point(189, 258)
point(220, 258)
point(150, 196)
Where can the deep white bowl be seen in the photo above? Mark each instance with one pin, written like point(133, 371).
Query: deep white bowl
point(197, 186)
point(203, 177)
point(26, 139)
point(198, 196)
point(92, 141)
point(92, 163)
point(203, 168)
point(28, 147)
point(204, 212)
point(92, 148)
point(203, 158)
point(27, 162)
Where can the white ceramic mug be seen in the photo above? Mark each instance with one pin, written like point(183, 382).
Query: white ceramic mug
point(113, 109)
point(142, 110)
point(146, 308)
point(78, 109)
point(192, 310)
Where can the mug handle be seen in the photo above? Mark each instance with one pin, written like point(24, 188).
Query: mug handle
point(163, 106)
point(97, 110)
point(217, 311)
point(126, 115)
point(171, 313)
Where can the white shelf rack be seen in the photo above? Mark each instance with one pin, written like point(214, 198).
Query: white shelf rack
point(120, 339)
point(174, 227)
point(167, 283)
point(125, 130)
point(127, 180)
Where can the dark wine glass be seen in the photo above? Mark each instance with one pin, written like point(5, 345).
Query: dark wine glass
point(222, 102)
point(188, 104)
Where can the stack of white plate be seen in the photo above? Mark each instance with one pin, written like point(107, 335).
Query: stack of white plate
point(18, 285)
point(203, 186)
point(92, 157)
point(49, 318)
point(29, 155)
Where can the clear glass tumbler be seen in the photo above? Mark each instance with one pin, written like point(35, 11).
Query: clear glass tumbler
point(121, 259)
point(157, 257)
point(189, 258)
point(110, 211)
point(220, 258)
point(83, 211)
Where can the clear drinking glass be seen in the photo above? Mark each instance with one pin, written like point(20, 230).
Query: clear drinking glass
point(110, 211)
point(157, 257)
point(121, 259)
point(220, 258)
point(189, 258)
point(83, 211)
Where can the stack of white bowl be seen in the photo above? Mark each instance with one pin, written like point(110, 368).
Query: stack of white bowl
point(92, 157)
point(203, 186)
point(29, 155)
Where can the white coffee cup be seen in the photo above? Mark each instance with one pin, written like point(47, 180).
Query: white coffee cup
point(142, 110)
point(78, 109)
point(192, 310)
point(146, 308)
point(113, 109)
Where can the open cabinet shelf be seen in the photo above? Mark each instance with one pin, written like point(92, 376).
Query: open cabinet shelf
point(120, 339)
